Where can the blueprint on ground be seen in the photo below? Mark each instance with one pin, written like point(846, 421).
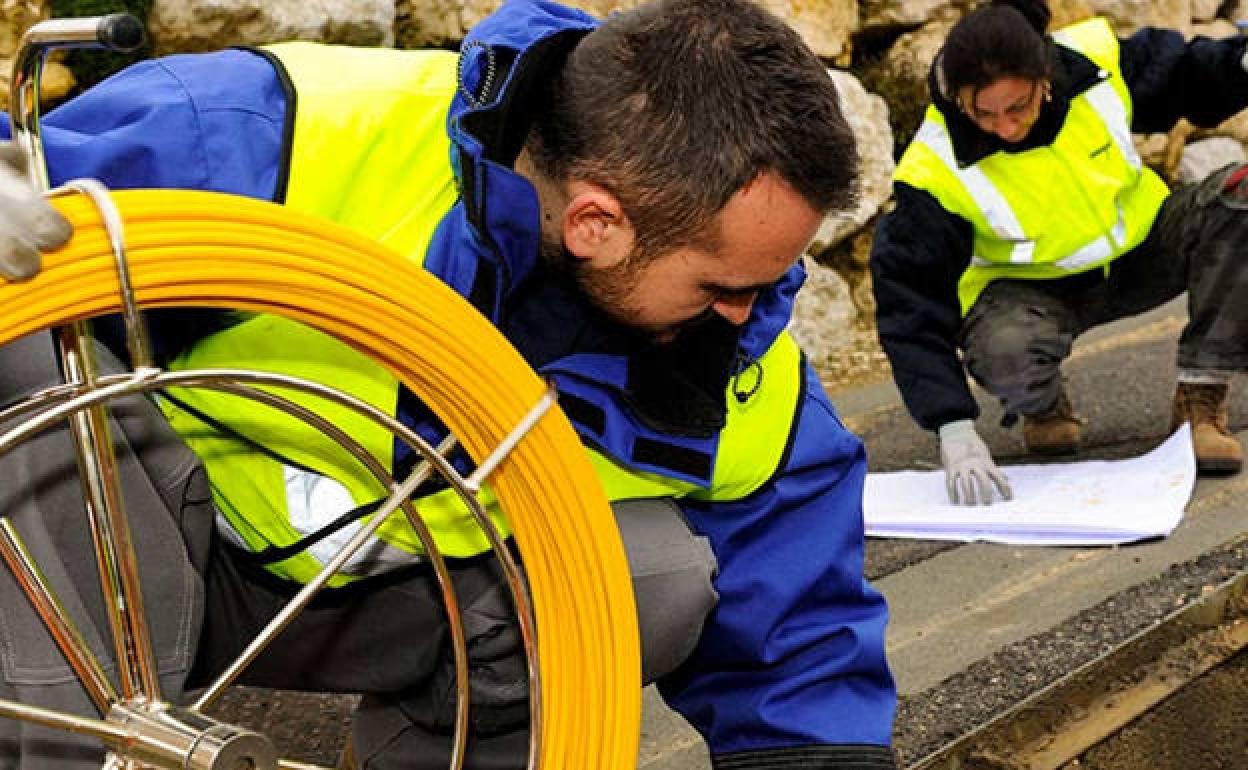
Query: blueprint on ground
point(1092, 502)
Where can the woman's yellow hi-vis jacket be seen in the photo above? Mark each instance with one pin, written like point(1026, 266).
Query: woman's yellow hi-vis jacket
point(1072, 197)
point(1022, 231)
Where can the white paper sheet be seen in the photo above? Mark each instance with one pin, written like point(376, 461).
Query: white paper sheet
point(1080, 503)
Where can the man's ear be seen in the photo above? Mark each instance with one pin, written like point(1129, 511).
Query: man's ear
point(595, 227)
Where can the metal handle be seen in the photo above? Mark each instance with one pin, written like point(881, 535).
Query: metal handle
point(93, 444)
point(119, 32)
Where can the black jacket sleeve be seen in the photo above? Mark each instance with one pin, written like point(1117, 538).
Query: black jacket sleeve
point(1169, 78)
point(171, 331)
point(919, 253)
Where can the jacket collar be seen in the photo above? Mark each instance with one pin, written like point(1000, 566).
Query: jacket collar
point(1073, 74)
point(488, 243)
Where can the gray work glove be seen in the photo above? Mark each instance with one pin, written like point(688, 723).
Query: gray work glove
point(969, 468)
point(28, 224)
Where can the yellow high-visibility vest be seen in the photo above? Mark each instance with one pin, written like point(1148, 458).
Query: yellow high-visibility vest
point(1047, 212)
point(389, 116)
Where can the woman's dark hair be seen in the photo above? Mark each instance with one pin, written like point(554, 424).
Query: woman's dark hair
point(1005, 38)
point(676, 105)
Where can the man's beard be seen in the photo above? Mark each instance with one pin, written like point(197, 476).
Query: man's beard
point(676, 383)
point(608, 290)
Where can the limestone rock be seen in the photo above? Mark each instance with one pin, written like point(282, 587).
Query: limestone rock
point(1208, 155)
point(868, 117)
point(1214, 28)
point(884, 14)
point(428, 23)
point(56, 84)
point(15, 17)
point(911, 56)
point(1129, 15)
point(202, 25)
point(822, 313)
point(1205, 10)
point(825, 25)
point(1068, 12)
point(1235, 127)
point(1152, 150)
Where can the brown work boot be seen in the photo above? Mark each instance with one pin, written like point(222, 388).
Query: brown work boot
point(1205, 407)
point(1055, 433)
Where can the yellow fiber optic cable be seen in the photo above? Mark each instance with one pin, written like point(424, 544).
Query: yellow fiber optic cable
point(189, 249)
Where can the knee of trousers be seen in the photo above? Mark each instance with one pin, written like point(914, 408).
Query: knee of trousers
point(1017, 362)
point(27, 365)
point(673, 571)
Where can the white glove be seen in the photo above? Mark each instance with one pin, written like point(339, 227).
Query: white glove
point(969, 466)
point(28, 224)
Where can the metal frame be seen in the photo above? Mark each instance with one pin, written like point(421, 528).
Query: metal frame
point(138, 727)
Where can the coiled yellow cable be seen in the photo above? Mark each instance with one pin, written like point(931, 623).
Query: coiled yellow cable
point(190, 249)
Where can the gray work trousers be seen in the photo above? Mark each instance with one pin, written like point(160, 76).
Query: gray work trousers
point(384, 637)
point(1018, 333)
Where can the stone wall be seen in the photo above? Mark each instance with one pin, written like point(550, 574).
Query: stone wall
point(879, 51)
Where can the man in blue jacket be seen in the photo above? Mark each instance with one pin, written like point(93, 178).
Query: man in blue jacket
point(628, 202)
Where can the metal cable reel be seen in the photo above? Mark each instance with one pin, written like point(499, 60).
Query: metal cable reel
point(141, 249)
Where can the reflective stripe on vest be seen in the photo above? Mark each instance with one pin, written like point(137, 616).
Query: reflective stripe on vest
point(1051, 211)
point(262, 464)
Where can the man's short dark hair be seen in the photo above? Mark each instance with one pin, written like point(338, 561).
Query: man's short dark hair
point(676, 105)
